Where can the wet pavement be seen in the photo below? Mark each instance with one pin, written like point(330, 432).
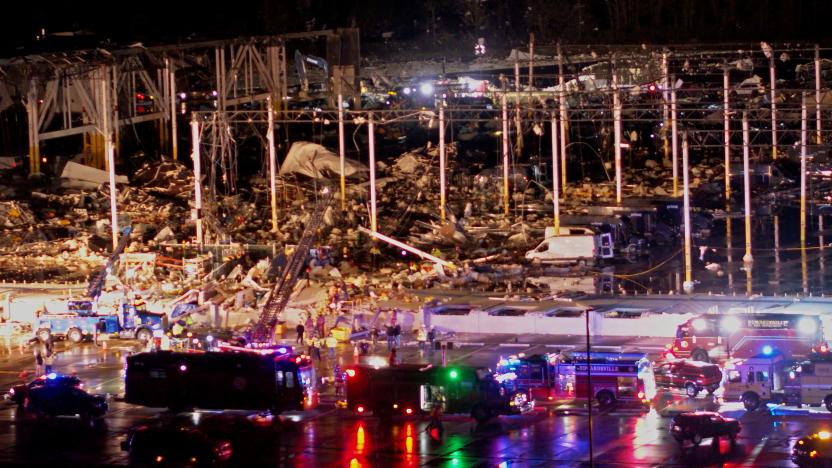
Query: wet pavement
point(333, 437)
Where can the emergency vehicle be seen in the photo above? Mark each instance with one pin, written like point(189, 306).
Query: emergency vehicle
point(769, 378)
point(717, 337)
point(561, 377)
point(412, 389)
point(241, 378)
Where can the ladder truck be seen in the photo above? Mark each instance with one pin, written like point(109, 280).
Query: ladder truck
point(263, 333)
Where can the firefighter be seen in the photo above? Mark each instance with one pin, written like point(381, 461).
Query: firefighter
point(331, 344)
point(421, 337)
point(436, 420)
point(300, 330)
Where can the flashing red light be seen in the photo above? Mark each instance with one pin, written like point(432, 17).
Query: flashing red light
point(298, 359)
point(409, 411)
point(139, 96)
point(351, 372)
point(652, 87)
point(640, 395)
point(824, 348)
point(360, 409)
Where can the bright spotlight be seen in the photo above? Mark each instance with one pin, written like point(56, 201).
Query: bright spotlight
point(426, 89)
point(730, 324)
point(807, 326)
point(406, 90)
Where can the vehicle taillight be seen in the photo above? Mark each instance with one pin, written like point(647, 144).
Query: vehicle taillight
point(408, 411)
point(360, 409)
point(701, 376)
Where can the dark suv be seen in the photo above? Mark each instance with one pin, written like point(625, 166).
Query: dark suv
point(695, 426)
point(19, 393)
point(693, 376)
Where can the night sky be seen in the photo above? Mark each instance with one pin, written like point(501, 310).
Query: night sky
point(434, 22)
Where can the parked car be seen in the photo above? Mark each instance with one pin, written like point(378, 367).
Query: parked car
point(64, 400)
point(695, 426)
point(19, 393)
point(172, 444)
point(813, 450)
point(693, 376)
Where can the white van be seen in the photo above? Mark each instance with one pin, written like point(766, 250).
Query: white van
point(573, 245)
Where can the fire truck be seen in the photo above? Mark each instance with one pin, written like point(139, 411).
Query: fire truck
point(769, 378)
point(562, 377)
point(412, 389)
point(270, 379)
point(718, 337)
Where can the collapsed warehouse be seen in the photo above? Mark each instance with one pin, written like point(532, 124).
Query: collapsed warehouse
point(471, 171)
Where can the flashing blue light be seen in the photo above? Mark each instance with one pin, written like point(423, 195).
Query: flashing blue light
point(52, 376)
point(767, 350)
point(281, 350)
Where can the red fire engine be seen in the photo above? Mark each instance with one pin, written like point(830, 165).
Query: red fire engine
point(561, 377)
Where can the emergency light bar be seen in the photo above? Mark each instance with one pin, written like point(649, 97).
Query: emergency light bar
point(605, 356)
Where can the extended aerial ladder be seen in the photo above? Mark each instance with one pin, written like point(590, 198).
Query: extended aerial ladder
point(87, 305)
point(264, 329)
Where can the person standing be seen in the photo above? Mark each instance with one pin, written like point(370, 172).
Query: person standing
point(431, 337)
point(300, 329)
point(397, 335)
point(310, 326)
point(421, 337)
point(321, 325)
point(48, 356)
point(390, 337)
point(316, 348)
point(38, 351)
point(331, 344)
point(100, 328)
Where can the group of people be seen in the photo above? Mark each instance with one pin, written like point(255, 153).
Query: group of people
point(309, 329)
point(44, 351)
point(313, 334)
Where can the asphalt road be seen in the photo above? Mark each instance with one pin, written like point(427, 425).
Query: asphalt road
point(331, 437)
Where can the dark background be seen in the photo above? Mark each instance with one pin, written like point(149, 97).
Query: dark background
point(429, 24)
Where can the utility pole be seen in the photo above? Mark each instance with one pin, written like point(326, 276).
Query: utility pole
point(726, 136)
point(674, 139)
point(442, 181)
point(505, 155)
point(272, 164)
point(688, 284)
point(555, 188)
point(195, 143)
point(342, 152)
point(747, 258)
point(773, 106)
point(616, 111)
point(371, 134)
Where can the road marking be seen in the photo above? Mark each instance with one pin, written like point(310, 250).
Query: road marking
point(514, 345)
point(752, 457)
point(561, 346)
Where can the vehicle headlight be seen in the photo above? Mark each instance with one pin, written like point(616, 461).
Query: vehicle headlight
point(677, 428)
point(520, 399)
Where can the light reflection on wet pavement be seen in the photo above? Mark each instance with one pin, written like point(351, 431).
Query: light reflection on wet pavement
point(330, 437)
